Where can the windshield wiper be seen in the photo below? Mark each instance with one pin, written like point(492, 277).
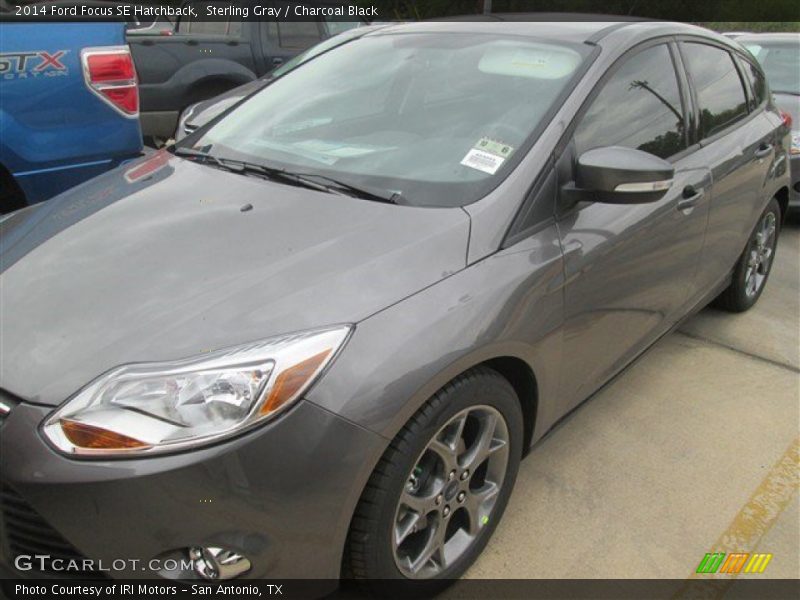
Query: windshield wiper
point(238, 166)
point(276, 174)
point(351, 190)
point(308, 180)
point(204, 156)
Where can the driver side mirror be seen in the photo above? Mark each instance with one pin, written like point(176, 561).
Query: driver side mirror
point(617, 175)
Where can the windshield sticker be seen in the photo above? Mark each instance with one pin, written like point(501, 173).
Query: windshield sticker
point(487, 155)
point(286, 128)
point(323, 151)
point(340, 150)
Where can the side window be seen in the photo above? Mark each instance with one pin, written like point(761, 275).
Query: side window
point(719, 88)
point(294, 35)
point(757, 83)
point(199, 26)
point(335, 27)
point(638, 107)
point(298, 35)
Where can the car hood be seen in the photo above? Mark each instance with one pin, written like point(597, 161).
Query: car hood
point(164, 259)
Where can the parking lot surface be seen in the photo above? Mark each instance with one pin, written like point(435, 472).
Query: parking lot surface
point(694, 449)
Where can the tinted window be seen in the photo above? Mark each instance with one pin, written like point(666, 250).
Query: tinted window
point(719, 88)
point(300, 35)
point(757, 83)
point(292, 34)
point(337, 27)
point(198, 26)
point(297, 36)
point(638, 107)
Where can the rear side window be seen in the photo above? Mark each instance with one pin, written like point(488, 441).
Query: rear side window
point(720, 93)
point(199, 27)
point(757, 83)
point(638, 107)
point(294, 35)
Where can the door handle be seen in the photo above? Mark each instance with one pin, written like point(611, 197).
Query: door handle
point(191, 42)
point(277, 60)
point(689, 197)
point(763, 151)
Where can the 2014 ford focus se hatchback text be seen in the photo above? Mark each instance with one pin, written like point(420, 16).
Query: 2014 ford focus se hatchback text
point(316, 336)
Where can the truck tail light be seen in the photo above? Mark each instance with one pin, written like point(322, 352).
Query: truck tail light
point(110, 74)
point(787, 119)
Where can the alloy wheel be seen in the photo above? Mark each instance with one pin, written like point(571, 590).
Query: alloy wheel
point(451, 492)
point(762, 248)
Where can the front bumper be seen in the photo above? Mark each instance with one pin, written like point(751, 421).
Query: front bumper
point(283, 495)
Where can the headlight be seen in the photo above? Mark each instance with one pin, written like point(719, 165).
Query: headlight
point(158, 407)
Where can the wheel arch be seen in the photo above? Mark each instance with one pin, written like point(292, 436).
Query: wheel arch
point(210, 86)
point(782, 196)
point(12, 196)
point(216, 75)
point(522, 378)
point(513, 369)
point(510, 360)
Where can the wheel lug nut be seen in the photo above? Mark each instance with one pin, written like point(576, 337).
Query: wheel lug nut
point(461, 496)
point(465, 474)
point(438, 500)
point(446, 511)
point(451, 474)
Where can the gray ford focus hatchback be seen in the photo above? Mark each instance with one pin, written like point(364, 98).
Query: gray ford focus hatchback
point(316, 336)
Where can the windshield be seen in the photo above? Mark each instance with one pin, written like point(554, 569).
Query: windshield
point(308, 54)
point(435, 119)
point(781, 63)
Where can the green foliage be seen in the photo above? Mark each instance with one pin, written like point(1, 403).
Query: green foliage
point(754, 26)
point(765, 15)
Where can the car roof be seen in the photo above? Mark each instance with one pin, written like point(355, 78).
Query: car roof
point(567, 27)
point(567, 31)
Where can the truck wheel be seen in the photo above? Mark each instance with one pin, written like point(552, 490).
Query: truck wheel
point(11, 195)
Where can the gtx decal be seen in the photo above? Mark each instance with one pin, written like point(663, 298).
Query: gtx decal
point(36, 63)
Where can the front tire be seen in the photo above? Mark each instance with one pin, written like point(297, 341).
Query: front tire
point(754, 265)
point(440, 488)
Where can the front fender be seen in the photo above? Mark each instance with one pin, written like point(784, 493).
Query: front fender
point(510, 304)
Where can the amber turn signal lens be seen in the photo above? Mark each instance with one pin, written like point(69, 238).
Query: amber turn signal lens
point(87, 436)
point(290, 381)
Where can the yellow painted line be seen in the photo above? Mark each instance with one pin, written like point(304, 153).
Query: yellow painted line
point(750, 524)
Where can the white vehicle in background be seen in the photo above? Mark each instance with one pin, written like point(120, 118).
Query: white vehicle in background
point(779, 56)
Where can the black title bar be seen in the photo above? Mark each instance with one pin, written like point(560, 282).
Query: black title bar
point(132, 12)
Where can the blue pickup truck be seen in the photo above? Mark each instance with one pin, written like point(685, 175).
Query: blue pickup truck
point(69, 107)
